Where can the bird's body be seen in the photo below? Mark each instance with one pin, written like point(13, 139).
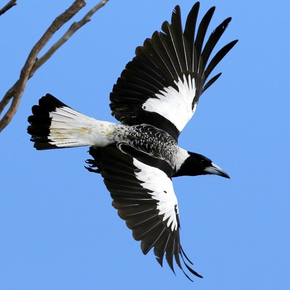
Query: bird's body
point(154, 98)
point(70, 128)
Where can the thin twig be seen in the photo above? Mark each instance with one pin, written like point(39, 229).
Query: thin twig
point(32, 63)
point(9, 5)
point(16, 91)
point(73, 28)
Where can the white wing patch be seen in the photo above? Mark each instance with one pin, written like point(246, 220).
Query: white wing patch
point(175, 105)
point(160, 187)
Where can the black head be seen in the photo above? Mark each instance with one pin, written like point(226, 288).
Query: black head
point(197, 164)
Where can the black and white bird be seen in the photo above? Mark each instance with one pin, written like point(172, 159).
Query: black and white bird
point(154, 98)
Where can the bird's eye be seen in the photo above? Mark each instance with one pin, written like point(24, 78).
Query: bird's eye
point(204, 162)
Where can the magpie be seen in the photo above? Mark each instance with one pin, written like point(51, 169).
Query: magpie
point(153, 99)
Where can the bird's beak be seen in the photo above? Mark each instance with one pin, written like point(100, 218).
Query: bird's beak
point(214, 169)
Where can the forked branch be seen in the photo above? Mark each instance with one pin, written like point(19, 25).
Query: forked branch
point(8, 6)
point(14, 94)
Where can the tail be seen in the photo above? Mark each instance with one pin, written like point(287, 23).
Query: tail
point(55, 125)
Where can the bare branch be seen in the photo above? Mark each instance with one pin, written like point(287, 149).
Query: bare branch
point(9, 5)
point(16, 91)
point(74, 27)
point(33, 63)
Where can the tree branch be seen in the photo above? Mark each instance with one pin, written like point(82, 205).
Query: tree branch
point(33, 63)
point(9, 5)
point(73, 28)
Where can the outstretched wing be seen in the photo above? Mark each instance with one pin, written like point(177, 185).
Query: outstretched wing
point(162, 84)
point(145, 199)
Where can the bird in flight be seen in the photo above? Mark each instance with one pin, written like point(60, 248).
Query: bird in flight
point(154, 98)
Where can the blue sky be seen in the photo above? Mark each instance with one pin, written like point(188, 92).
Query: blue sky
point(58, 229)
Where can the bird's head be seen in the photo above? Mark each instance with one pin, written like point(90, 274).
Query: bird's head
point(197, 164)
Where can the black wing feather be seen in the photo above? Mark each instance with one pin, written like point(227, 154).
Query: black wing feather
point(163, 58)
point(200, 36)
point(214, 62)
point(136, 206)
